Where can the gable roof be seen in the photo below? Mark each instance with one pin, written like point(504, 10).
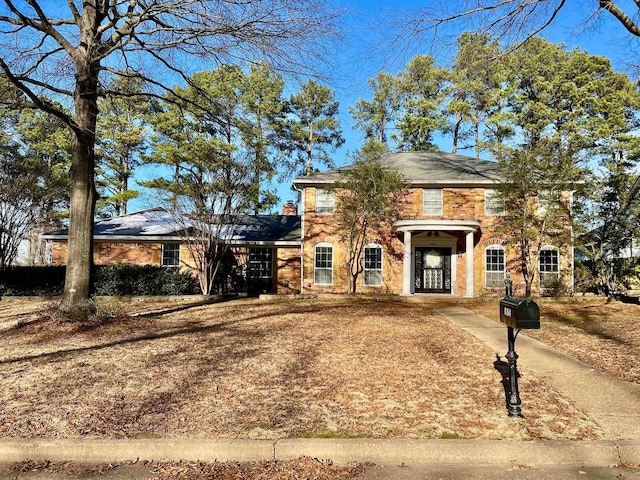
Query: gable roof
point(423, 169)
point(157, 224)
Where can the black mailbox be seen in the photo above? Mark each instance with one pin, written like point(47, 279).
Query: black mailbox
point(519, 313)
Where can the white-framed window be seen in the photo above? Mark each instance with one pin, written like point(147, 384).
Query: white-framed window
point(549, 266)
point(494, 266)
point(170, 254)
point(432, 201)
point(547, 201)
point(323, 264)
point(372, 272)
point(324, 201)
point(493, 202)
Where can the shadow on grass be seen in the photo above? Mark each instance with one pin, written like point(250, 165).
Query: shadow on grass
point(194, 328)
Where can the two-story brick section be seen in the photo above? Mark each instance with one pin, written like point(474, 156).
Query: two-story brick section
point(443, 243)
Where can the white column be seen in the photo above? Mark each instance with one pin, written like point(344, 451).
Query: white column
point(407, 273)
point(470, 271)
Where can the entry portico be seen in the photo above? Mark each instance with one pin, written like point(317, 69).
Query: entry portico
point(429, 261)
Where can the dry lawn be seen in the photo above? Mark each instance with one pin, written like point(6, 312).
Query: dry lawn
point(601, 332)
point(265, 370)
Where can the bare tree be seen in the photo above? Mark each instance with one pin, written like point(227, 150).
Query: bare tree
point(516, 20)
point(65, 51)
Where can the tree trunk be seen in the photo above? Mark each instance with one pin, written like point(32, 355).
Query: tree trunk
point(77, 286)
point(456, 133)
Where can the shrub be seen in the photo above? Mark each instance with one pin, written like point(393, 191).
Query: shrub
point(114, 280)
point(118, 280)
point(32, 280)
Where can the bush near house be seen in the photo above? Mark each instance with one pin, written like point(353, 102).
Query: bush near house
point(143, 280)
point(32, 280)
point(113, 280)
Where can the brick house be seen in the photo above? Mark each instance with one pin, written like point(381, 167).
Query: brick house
point(265, 249)
point(444, 243)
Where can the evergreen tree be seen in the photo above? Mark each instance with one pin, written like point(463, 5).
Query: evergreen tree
point(312, 128)
point(374, 116)
point(264, 113)
point(559, 102)
point(121, 142)
point(475, 90)
point(422, 86)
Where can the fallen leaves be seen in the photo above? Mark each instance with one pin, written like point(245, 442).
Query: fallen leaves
point(335, 367)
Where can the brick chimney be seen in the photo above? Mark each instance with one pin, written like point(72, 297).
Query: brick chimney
point(290, 208)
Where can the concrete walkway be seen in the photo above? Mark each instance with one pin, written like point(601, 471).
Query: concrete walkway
point(613, 403)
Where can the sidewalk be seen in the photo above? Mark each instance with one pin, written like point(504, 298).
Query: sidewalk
point(613, 403)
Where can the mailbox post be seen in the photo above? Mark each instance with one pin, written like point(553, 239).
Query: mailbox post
point(517, 314)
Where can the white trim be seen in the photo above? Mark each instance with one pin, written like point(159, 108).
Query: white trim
point(551, 248)
point(407, 264)
point(494, 246)
point(328, 197)
point(441, 202)
point(419, 225)
point(470, 274)
point(315, 253)
point(162, 252)
point(364, 263)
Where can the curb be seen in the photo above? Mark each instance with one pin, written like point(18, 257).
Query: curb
point(340, 451)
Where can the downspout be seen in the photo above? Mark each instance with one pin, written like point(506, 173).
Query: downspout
point(573, 244)
point(301, 200)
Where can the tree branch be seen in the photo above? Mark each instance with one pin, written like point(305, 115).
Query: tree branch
point(626, 21)
point(40, 103)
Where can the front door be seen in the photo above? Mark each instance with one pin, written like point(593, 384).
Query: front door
point(433, 270)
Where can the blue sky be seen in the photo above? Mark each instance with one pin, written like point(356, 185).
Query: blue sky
point(368, 49)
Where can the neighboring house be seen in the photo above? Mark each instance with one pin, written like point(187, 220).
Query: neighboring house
point(444, 242)
point(265, 248)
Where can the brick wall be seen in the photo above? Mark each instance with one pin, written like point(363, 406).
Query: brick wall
point(111, 253)
point(458, 204)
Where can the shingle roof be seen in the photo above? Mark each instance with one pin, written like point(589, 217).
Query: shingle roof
point(159, 224)
point(424, 168)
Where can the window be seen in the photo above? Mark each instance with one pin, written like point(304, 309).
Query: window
point(432, 201)
point(323, 264)
point(547, 202)
point(493, 202)
point(260, 263)
point(170, 254)
point(324, 201)
point(494, 266)
point(372, 265)
point(549, 267)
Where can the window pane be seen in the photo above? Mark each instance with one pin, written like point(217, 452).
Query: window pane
point(170, 255)
point(494, 268)
point(493, 202)
point(549, 261)
point(432, 201)
point(372, 266)
point(324, 201)
point(549, 267)
point(323, 277)
point(323, 272)
point(260, 263)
